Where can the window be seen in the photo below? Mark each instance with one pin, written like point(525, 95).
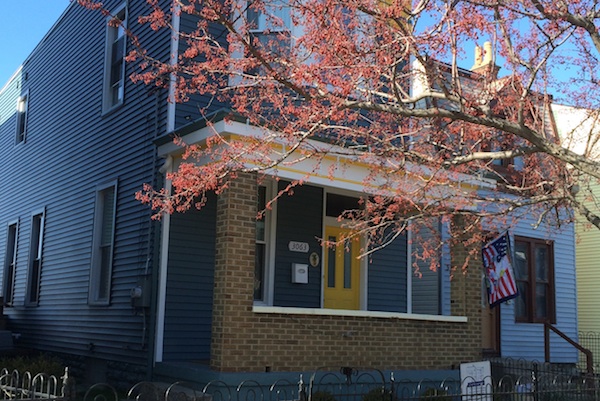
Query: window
point(35, 258)
point(22, 118)
point(508, 169)
point(114, 74)
point(261, 247)
point(533, 259)
point(10, 262)
point(274, 19)
point(263, 231)
point(271, 29)
point(102, 252)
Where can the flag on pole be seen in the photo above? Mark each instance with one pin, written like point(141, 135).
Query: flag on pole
point(498, 271)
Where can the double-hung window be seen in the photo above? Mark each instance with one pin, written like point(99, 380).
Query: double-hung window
point(114, 74)
point(22, 104)
point(270, 29)
point(35, 258)
point(10, 262)
point(534, 269)
point(103, 243)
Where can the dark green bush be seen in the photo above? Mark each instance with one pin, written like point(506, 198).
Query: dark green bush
point(378, 394)
point(33, 364)
point(322, 396)
point(435, 394)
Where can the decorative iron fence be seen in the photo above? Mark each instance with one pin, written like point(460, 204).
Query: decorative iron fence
point(41, 386)
point(510, 381)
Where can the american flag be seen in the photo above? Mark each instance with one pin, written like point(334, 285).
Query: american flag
point(498, 271)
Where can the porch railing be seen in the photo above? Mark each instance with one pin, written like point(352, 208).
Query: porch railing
point(589, 365)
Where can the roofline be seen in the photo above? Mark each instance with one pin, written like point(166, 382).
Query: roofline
point(60, 18)
point(215, 116)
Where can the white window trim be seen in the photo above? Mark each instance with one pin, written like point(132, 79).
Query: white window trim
point(241, 15)
point(32, 253)
point(107, 105)
point(270, 228)
point(357, 313)
point(22, 111)
point(93, 296)
point(264, 23)
point(14, 256)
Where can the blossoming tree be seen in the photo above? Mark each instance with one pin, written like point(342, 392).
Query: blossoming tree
point(380, 82)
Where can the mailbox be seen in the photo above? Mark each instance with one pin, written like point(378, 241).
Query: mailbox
point(299, 273)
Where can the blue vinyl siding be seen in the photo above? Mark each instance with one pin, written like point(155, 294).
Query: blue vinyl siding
point(387, 278)
point(198, 106)
point(526, 340)
point(190, 284)
point(70, 148)
point(299, 218)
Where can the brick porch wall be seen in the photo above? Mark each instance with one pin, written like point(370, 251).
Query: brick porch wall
point(256, 342)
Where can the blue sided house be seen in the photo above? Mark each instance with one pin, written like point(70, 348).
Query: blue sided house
point(217, 293)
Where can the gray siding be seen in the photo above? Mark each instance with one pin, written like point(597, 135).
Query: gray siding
point(190, 280)
point(299, 218)
point(387, 277)
point(70, 149)
point(426, 285)
point(197, 106)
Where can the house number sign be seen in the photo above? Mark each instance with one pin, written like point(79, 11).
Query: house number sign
point(296, 246)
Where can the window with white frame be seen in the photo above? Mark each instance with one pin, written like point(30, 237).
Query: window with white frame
point(114, 74)
point(36, 243)
point(270, 26)
point(10, 262)
point(103, 243)
point(263, 235)
point(22, 118)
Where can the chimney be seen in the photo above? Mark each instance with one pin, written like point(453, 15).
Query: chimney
point(478, 57)
point(487, 53)
point(484, 61)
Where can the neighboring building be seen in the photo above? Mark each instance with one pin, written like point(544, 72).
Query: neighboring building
point(588, 276)
point(206, 293)
point(578, 129)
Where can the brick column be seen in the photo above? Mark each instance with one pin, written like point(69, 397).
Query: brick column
point(466, 289)
point(234, 269)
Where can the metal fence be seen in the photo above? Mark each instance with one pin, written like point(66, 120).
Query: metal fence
point(510, 381)
point(590, 341)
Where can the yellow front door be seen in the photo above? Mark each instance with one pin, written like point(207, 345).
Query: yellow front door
point(342, 270)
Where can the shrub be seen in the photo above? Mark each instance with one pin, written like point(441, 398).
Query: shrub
point(435, 394)
point(378, 394)
point(322, 396)
point(33, 364)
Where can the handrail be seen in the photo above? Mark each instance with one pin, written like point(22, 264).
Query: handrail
point(588, 354)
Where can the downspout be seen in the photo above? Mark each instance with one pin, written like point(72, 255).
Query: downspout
point(162, 242)
point(153, 254)
point(171, 105)
point(162, 273)
point(409, 274)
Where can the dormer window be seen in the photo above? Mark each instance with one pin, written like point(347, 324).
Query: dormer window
point(508, 168)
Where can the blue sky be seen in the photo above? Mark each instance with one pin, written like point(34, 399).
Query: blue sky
point(23, 23)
